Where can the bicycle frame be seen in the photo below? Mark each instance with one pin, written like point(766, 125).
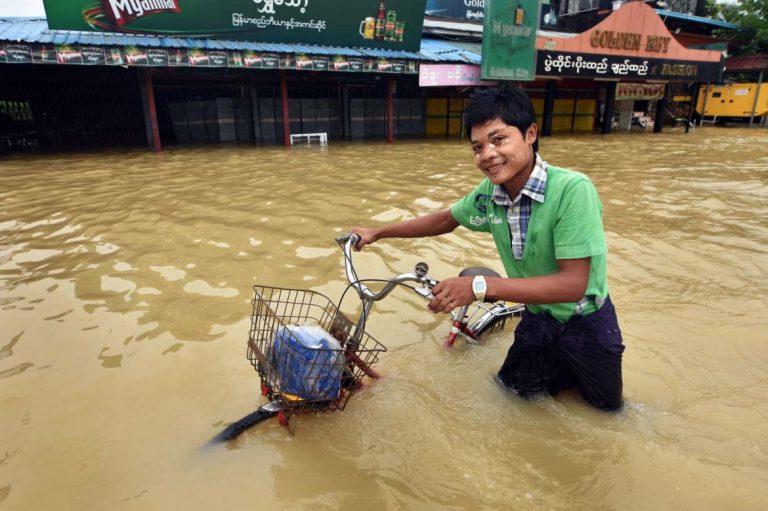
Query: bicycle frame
point(352, 345)
point(493, 317)
point(347, 243)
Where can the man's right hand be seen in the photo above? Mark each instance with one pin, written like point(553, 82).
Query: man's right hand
point(367, 236)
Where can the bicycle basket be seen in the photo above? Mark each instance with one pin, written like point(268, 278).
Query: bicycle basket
point(308, 354)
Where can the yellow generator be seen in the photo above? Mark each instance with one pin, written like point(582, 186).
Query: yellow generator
point(732, 100)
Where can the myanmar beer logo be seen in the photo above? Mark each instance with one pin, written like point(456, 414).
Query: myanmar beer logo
point(122, 12)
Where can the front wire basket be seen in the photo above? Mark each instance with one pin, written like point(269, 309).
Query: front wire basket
point(306, 376)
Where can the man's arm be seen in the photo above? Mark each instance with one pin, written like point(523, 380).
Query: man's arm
point(440, 222)
point(567, 285)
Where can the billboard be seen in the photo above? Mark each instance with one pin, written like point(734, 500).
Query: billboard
point(471, 10)
point(384, 24)
point(509, 40)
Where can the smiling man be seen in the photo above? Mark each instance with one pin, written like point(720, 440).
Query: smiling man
point(546, 223)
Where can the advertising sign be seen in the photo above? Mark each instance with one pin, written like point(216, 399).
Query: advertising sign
point(589, 65)
point(509, 40)
point(471, 10)
point(66, 54)
point(93, 55)
point(135, 56)
point(450, 75)
point(158, 57)
point(197, 57)
point(548, 16)
point(640, 91)
point(178, 57)
point(18, 53)
point(386, 24)
point(44, 54)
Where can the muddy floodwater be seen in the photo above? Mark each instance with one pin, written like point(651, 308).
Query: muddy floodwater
point(125, 287)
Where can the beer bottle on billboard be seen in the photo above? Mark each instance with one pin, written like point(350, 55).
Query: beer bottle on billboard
point(389, 31)
point(519, 14)
point(399, 31)
point(381, 21)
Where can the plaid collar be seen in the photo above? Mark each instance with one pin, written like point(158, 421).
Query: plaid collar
point(534, 187)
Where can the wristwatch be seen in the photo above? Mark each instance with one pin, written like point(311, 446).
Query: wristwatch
point(479, 287)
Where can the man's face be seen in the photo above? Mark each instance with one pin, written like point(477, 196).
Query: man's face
point(503, 153)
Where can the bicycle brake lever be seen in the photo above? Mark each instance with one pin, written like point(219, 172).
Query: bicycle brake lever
point(425, 292)
point(426, 287)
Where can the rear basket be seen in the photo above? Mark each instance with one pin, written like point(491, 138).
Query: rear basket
point(303, 377)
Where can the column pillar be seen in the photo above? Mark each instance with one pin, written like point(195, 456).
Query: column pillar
point(150, 109)
point(286, 116)
point(391, 88)
point(549, 108)
point(661, 112)
point(610, 99)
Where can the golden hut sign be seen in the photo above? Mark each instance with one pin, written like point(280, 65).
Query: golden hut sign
point(629, 41)
point(631, 44)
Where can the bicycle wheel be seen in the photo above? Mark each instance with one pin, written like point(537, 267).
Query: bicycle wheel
point(235, 429)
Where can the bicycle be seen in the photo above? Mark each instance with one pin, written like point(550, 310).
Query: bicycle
point(300, 377)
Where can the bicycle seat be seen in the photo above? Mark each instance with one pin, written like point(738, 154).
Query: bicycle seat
point(474, 271)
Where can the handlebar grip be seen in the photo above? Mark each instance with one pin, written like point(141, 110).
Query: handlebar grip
point(349, 236)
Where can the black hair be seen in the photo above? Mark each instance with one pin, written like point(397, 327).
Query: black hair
point(510, 104)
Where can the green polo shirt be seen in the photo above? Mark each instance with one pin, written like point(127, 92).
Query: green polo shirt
point(566, 225)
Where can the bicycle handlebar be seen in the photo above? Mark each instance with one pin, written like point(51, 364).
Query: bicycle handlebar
point(420, 275)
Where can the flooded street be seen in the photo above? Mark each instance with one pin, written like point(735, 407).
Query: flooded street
point(125, 288)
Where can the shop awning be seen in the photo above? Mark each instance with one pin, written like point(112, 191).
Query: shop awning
point(696, 19)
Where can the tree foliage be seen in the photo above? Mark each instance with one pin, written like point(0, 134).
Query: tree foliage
point(751, 16)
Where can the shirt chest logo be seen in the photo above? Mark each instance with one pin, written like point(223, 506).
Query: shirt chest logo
point(482, 220)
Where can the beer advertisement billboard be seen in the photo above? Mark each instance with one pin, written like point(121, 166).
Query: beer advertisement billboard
point(135, 56)
point(198, 58)
point(384, 24)
point(44, 54)
point(66, 54)
point(114, 57)
point(509, 40)
point(178, 57)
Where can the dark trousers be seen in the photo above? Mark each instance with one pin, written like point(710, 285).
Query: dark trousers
point(584, 352)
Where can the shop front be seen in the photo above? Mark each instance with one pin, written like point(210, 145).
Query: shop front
point(634, 63)
point(190, 74)
point(623, 73)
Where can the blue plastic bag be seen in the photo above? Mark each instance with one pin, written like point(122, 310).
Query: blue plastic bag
point(309, 362)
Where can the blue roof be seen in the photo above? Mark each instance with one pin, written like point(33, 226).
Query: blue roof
point(696, 19)
point(35, 30)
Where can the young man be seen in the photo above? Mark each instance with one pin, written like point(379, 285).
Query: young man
point(547, 226)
